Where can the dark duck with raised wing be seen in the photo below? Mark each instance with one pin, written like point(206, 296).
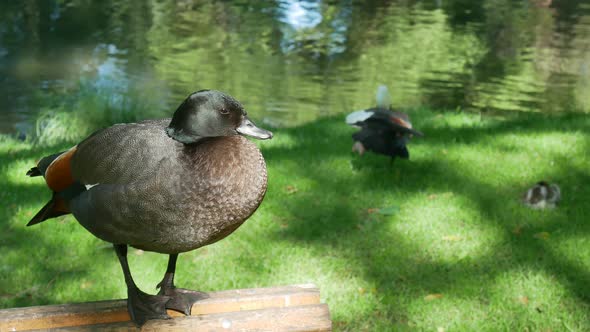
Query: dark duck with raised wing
point(169, 186)
point(383, 130)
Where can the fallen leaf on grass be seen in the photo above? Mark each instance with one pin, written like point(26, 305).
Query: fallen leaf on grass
point(86, 284)
point(432, 196)
point(363, 290)
point(524, 300)
point(542, 235)
point(291, 189)
point(517, 230)
point(388, 211)
point(431, 297)
point(452, 238)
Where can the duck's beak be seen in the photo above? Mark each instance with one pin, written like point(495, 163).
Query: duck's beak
point(248, 128)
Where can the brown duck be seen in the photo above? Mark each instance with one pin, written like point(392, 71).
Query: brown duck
point(169, 186)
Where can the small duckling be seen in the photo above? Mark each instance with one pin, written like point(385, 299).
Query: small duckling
point(542, 195)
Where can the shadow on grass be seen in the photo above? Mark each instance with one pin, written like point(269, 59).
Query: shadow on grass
point(328, 214)
point(33, 264)
point(337, 223)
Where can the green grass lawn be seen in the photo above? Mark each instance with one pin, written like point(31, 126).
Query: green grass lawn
point(437, 242)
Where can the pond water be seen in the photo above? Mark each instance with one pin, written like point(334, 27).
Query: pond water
point(290, 61)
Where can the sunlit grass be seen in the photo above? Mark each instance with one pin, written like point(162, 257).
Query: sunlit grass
point(437, 242)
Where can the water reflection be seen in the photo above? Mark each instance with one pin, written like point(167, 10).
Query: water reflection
point(307, 32)
point(291, 61)
point(300, 15)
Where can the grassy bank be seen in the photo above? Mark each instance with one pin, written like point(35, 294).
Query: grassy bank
point(439, 241)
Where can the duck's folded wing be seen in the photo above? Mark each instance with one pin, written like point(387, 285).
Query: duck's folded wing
point(122, 153)
point(125, 213)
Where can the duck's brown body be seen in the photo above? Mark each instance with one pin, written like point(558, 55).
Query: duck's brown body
point(169, 186)
point(156, 194)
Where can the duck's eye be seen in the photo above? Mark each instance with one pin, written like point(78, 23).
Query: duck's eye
point(224, 111)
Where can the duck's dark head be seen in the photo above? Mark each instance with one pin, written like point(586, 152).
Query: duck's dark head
point(210, 113)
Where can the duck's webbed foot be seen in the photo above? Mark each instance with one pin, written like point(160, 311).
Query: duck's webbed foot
point(143, 307)
point(181, 299)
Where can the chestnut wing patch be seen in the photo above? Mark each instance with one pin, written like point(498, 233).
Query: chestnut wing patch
point(59, 173)
point(400, 122)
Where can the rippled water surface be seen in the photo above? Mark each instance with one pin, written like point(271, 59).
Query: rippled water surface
point(292, 61)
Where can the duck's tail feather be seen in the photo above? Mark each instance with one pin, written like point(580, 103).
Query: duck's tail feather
point(34, 172)
point(54, 208)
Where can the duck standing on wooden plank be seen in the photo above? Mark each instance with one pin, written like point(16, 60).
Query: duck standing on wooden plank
point(168, 186)
point(383, 130)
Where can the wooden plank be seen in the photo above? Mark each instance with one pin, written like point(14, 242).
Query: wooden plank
point(306, 318)
point(55, 316)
